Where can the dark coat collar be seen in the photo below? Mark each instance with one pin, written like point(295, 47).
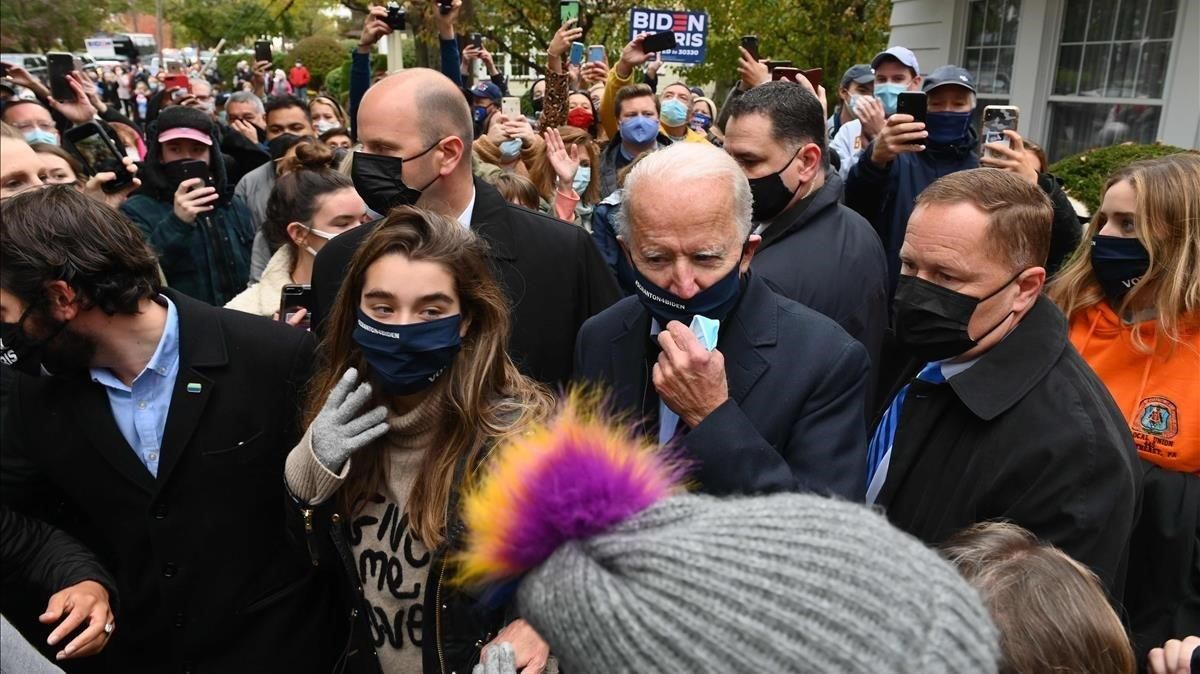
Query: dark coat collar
point(490, 220)
point(1011, 369)
point(804, 211)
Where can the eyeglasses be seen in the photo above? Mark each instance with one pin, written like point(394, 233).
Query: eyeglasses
point(30, 125)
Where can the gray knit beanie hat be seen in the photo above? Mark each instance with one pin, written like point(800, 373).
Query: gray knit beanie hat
point(785, 583)
point(621, 571)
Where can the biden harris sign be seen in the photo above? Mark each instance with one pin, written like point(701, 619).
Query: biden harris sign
point(690, 28)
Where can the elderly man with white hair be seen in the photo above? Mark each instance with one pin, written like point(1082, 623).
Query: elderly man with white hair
point(761, 393)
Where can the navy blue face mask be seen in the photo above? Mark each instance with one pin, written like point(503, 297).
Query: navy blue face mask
point(408, 358)
point(947, 128)
point(1118, 263)
point(713, 302)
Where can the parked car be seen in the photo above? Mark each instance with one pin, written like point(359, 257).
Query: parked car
point(35, 64)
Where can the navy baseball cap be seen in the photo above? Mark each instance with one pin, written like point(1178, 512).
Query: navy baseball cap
point(902, 54)
point(948, 75)
point(487, 90)
point(859, 73)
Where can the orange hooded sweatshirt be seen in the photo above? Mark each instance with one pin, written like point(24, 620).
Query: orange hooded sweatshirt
point(1159, 393)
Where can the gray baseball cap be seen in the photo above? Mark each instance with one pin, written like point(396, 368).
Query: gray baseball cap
point(948, 75)
point(902, 54)
point(860, 73)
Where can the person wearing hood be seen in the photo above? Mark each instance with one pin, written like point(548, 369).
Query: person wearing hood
point(200, 230)
point(636, 110)
point(814, 250)
point(1132, 295)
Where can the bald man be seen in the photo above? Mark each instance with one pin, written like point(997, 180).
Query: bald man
point(416, 133)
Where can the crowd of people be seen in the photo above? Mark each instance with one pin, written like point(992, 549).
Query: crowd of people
point(638, 382)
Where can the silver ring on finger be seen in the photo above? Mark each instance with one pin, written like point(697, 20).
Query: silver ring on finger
point(109, 627)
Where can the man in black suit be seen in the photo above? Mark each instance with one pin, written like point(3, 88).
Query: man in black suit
point(769, 399)
point(158, 442)
point(416, 133)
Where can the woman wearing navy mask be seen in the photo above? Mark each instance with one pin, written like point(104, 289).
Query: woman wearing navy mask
point(704, 120)
point(415, 391)
point(1132, 293)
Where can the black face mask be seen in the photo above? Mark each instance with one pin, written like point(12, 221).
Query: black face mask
point(770, 194)
point(279, 145)
point(24, 354)
point(1118, 263)
point(931, 321)
point(379, 180)
point(538, 103)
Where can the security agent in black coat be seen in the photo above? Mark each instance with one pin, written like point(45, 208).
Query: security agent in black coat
point(794, 417)
point(1028, 434)
point(34, 552)
point(209, 576)
point(550, 271)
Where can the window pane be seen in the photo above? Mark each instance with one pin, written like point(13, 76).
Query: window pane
point(1162, 19)
point(971, 62)
point(1122, 69)
point(1012, 18)
point(992, 25)
point(1100, 23)
point(975, 22)
point(1075, 127)
point(1131, 18)
point(1075, 20)
point(1003, 83)
point(1153, 72)
point(987, 69)
point(1066, 79)
point(1091, 75)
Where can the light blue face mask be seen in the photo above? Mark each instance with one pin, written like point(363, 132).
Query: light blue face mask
point(888, 94)
point(510, 150)
point(583, 178)
point(41, 136)
point(855, 99)
point(674, 113)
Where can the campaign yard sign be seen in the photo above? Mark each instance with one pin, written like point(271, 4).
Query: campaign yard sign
point(690, 28)
point(100, 47)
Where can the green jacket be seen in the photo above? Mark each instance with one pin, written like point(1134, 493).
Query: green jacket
point(208, 260)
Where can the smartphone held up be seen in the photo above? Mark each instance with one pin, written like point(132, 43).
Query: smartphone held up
point(996, 120)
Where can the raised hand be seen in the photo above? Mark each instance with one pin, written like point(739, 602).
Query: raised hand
point(901, 134)
point(564, 160)
point(752, 72)
point(191, 203)
point(632, 56)
point(95, 185)
point(1011, 158)
point(375, 26)
point(339, 429)
point(81, 109)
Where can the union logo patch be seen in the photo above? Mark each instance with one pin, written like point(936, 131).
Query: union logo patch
point(1158, 417)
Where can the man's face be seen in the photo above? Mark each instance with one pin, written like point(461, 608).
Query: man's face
point(751, 141)
point(27, 116)
point(390, 125)
point(288, 120)
point(950, 98)
point(184, 148)
point(678, 91)
point(691, 245)
point(64, 350)
point(891, 71)
point(856, 89)
point(245, 112)
point(19, 167)
point(642, 106)
point(945, 244)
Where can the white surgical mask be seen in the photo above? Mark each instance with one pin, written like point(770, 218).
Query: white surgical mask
point(325, 125)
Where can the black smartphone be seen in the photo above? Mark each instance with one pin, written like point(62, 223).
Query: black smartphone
point(295, 296)
point(912, 103)
point(262, 51)
point(567, 9)
point(179, 171)
point(445, 6)
point(659, 42)
point(59, 65)
point(396, 18)
point(750, 44)
point(477, 40)
point(99, 153)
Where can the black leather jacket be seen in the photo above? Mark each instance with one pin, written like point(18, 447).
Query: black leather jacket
point(457, 625)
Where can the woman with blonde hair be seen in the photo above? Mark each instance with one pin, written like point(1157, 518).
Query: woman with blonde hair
point(567, 174)
point(1132, 295)
point(327, 114)
point(421, 320)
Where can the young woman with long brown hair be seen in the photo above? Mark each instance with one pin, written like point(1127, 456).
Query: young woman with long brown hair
point(1132, 295)
point(421, 320)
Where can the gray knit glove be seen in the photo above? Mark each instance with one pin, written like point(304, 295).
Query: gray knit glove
point(339, 430)
point(497, 660)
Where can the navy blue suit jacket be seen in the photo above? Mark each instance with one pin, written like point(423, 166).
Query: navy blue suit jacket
point(797, 386)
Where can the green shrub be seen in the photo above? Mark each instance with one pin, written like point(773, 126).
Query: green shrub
point(320, 54)
point(1084, 174)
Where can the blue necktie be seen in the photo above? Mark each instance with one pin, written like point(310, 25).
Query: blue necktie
point(880, 450)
